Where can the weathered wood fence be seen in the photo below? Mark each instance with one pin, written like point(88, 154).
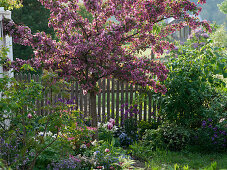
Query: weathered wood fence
point(114, 93)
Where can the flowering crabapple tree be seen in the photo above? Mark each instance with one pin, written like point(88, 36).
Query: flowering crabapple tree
point(88, 51)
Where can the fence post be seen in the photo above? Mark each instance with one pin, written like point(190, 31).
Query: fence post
point(5, 40)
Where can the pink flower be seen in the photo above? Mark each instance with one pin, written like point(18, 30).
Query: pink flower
point(107, 150)
point(109, 125)
point(112, 121)
point(91, 128)
point(72, 138)
point(29, 116)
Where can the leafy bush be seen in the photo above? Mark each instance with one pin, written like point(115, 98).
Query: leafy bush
point(108, 131)
point(194, 92)
point(105, 154)
point(29, 139)
point(167, 136)
point(211, 137)
point(144, 125)
point(129, 123)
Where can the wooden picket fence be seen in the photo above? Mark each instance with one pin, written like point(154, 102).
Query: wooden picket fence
point(114, 93)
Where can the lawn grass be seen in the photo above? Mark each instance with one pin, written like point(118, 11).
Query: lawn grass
point(162, 159)
point(193, 160)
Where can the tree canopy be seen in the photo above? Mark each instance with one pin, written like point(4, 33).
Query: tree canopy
point(87, 51)
point(10, 4)
point(34, 15)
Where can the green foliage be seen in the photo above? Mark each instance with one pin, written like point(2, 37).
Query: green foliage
point(10, 4)
point(143, 126)
point(223, 7)
point(107, 155)
point(152, 166)
point(219, 37)
point(165, 159)
point(3, 166)
point(167, 136)
point(175, 137)
point(84, 13)
point(105, 134)
point(194, 92)
point(38, 139)
point(131, 129)
point(153, 139)
point(29, 15)
point(211, 12)
point(210, 137)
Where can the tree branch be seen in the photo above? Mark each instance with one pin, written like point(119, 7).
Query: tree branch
point(38, 153)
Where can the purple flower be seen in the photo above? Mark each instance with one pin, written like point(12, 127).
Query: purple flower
point(29, 116)
point(195, 45)
point(112, 121)
point(107, 150)
point(204, 123)
point(175, 48)
point(205, 35)
point(215, 128)
point(109, 125)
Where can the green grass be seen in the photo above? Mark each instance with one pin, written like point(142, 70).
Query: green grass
point(166, 159)
point(193, 160)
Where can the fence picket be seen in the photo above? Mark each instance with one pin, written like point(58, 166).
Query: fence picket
point(81, 100)
point(149, 107)
point(108, 98)
point(140, 106)
point(76, 94)
point(126, 97)
point(131, 94)
point(136, 89)
point(113, 88)
point(114, 93)
point(145, 109)
point(103, 100)
point(99, 102)
point(85, 98)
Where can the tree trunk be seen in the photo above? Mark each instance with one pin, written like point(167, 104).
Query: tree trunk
point(93, 113)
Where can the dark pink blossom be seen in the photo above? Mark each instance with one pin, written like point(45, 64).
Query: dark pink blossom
point(29, 115)
point(87, 52)
point(109, 125)
point(112, 121)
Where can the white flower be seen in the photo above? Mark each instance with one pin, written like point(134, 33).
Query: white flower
point(40, 134)
point(99, 124)
point(222, 120)
point(35, 139)
point(83, 146)
point(105, 125)
point(94, 143)
point(49, 133)
point(54, 136)
point(95, 153)
point(114, 129)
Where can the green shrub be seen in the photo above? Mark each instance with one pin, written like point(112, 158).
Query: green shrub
point(210, 137)
point(194, 91)
point(167, 136)
point(144, 125)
